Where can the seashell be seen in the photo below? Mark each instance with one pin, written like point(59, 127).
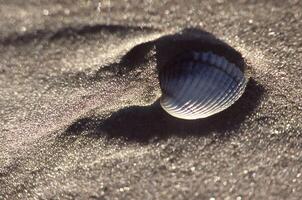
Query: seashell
point(200, 84)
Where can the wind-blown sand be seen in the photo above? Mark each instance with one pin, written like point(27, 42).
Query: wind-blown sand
point(80, 117)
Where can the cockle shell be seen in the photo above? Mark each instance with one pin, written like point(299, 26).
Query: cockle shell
point(200, 84)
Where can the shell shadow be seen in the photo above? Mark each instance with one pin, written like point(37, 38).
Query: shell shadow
point(148, 123)
point(168, 47)
point(160, 51)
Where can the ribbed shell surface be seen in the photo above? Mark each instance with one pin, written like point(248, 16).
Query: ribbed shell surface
point(200, 84)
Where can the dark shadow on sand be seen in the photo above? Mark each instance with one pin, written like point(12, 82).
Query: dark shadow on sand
point(144, 123)
point(159, 52)
point(167, 48)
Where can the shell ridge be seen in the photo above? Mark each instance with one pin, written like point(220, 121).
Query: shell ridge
point(228, 101)
point(182, 98)
point(220, 98)
point(205, 90)
point(209, 93)
point(173, 83)
point(203, 72)
point(208, 110)
point(239, 91)
point(195, 85)
point(220, 93)
point(205, 102)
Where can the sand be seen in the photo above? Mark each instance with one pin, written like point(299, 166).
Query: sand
point(79, 110)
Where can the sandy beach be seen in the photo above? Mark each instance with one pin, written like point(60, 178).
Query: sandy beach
point(79, 110)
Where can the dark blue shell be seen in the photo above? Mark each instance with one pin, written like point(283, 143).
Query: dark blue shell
point(200, 84)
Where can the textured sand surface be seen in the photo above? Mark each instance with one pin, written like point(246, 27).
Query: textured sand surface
point(80, 117)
